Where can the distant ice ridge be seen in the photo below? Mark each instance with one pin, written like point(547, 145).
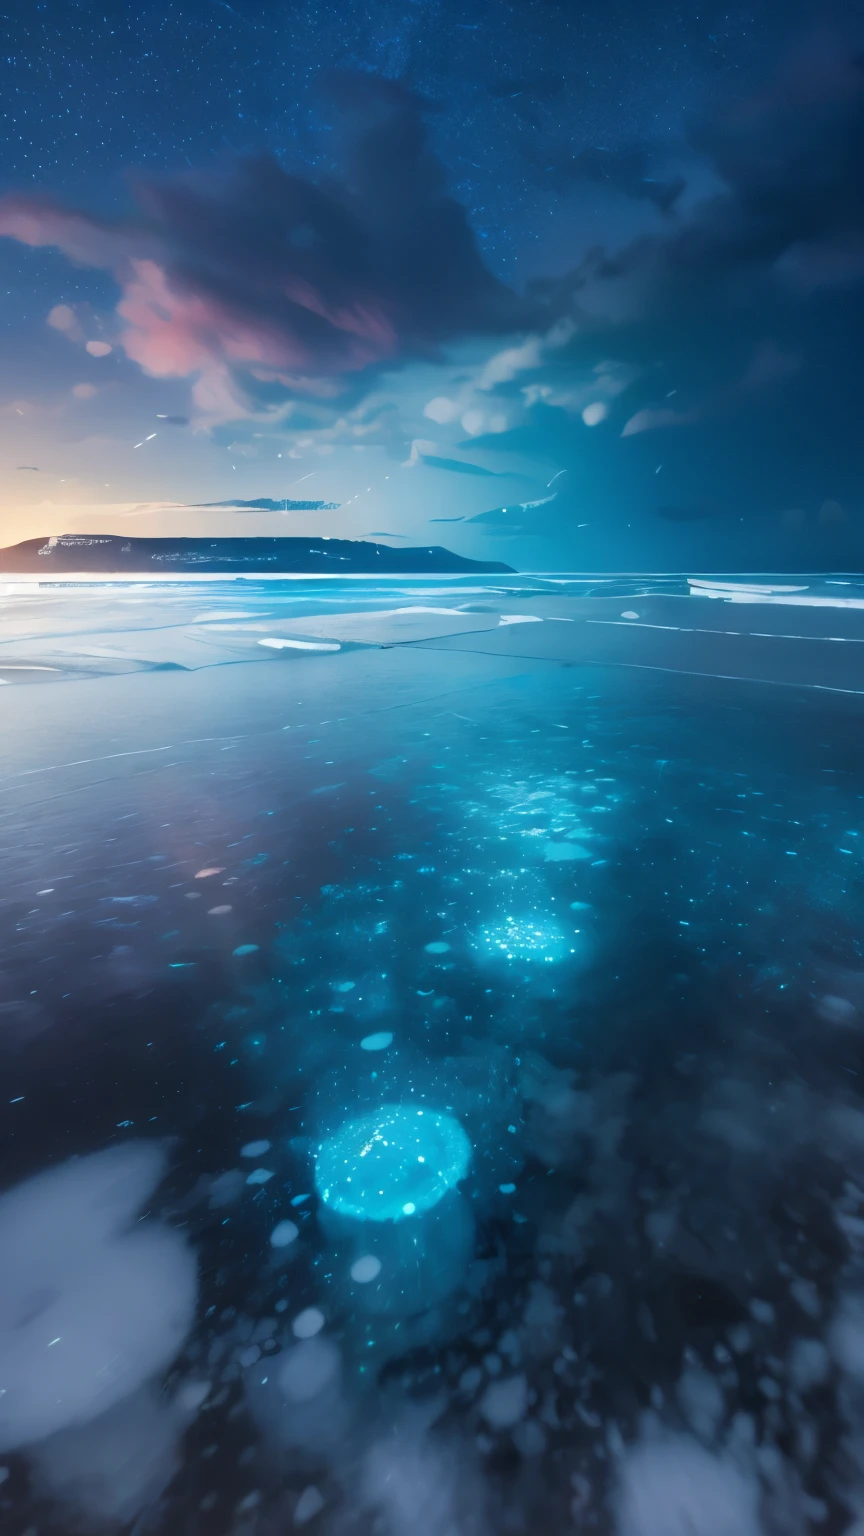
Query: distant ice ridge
point(92, 1309)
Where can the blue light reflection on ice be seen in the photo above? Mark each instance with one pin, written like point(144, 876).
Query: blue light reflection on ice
point(392, 1164)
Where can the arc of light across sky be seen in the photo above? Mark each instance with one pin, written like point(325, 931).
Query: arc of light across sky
point(392, 1164)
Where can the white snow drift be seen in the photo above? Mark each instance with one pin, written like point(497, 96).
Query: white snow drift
point(92, 1305)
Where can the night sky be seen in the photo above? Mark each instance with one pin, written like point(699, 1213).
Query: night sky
point(577, 286)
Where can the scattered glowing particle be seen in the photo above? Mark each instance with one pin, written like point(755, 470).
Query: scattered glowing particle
point(524, 939)
point(204, 874)
point(437, 947)
point(377, 1042)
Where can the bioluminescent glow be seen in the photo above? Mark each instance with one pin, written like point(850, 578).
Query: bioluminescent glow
point(517, 938)
point(392, 1164)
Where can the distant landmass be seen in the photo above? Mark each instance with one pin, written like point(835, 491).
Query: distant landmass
point(267, 504)
point(109, 554)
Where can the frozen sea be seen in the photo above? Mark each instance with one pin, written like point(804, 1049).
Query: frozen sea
point(432, 1054)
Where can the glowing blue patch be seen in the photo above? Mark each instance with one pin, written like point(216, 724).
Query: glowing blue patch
point(392, 1164)
point(525, 939)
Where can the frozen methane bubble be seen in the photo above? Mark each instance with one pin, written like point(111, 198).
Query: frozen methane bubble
point(307, 1323)
point(307, 1369)
point(366, 1269)
point(309, 1504)
point(505, 1402)
point(394, 1163)
point(284, 1234)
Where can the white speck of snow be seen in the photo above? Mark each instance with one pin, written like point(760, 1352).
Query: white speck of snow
point(594, 413)
point(204, 874)
point(255, 1149)
point(260, 1176)
point(246, 949)
point(365, 1269)
point(217, 911)
point(307, 1323)
point(309, 1504)
point(377, 1042)
point(629, 614)
point(518, 618)
point(504, 1402)
point(98, 348)
point(284, 1234)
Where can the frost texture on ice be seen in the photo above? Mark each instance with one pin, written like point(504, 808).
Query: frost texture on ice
point(91, 1307)
point(392, 1164)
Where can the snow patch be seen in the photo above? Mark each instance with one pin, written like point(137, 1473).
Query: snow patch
point(89, 1309)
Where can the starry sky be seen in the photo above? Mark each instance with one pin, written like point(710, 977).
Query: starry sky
point(572, 285)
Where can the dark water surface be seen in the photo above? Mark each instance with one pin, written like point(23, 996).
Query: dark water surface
point(568, 911)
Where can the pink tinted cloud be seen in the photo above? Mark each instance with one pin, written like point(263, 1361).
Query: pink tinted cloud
point(252, 274)
point(174, 330)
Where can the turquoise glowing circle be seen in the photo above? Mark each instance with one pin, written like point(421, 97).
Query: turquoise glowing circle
point(392, 1164)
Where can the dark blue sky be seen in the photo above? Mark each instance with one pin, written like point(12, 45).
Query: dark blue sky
point(589, 274)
